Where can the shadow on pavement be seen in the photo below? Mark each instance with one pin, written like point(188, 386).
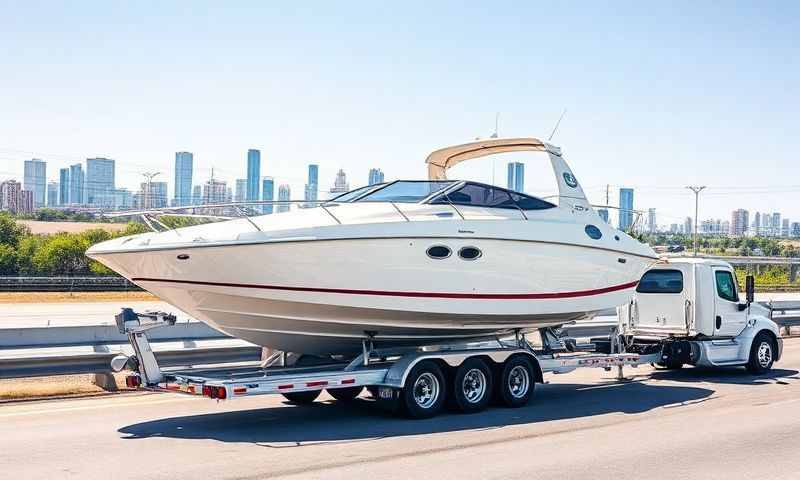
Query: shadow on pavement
point(729, 375)
point(361, 420)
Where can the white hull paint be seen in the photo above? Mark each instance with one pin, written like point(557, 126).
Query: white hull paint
point(317, 297)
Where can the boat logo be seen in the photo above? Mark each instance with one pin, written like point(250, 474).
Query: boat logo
point(570, 179)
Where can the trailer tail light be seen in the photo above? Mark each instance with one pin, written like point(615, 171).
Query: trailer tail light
point(206, 391)
point(319, 383)
point(133, 381)
point(222, 394)
point(348, 381)
point(240, 390)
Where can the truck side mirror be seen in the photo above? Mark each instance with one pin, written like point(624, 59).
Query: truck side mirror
point(750, 288)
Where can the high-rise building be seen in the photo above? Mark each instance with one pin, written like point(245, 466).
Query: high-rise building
point(76, 190)
point(688, 226)
point(375, 176)
point(284, 194)
point(197, 195)
point(785, 227)
point(516, 176)
point(100, 182)
point(312, 187)
point(795, 229)
point(739, 222)
point(63, 186)
point(340, 185)
point(52, 194)
point(267, 194)
point(123, 199)
point(651, 220)
point(35, 180)
point(184, 165)
point(625, 208)
point(673, 228)
point(253, 174)
point(241, 190)
point(154, 196)
point(214, 191)
point(10, 192)
point(776, 224)
point(755, 227)
point(26, 204)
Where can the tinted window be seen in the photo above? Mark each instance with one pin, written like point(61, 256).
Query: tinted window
point(661, 281)
point(526, 202)
point(438, 251)
point(405, 192)
point(726, 287)
point(478, 196)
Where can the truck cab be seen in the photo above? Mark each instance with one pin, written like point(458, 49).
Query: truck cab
point(695, 307)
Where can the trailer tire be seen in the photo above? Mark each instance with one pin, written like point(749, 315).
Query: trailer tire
point(425, 390)
point(302, 398)
point(516, 382)
point(762, 354)
point(471, 386)
point(345, 394)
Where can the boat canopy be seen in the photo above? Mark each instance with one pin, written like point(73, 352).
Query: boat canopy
point(570, 192)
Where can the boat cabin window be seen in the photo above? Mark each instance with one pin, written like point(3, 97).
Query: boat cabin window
point(479, 195)
point(353, 194)
point(661, 281)
point(405, 191)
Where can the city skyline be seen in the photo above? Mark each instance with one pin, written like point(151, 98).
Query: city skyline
point(181, 82)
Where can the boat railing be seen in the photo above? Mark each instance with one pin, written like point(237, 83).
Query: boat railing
point(153, 217)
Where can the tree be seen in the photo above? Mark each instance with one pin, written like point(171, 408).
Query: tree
point(8, 260)
point(11, 232)
point(62, 254)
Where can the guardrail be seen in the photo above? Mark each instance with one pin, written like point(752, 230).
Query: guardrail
point(66, 284)
point(48, 351)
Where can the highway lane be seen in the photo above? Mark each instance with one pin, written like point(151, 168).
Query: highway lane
point(657, 425)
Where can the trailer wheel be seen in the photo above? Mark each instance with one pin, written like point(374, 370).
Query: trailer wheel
point(516, 382)
point(472, 386)
point(302, 398)
point(424, 392)
point(345, 394)
point(762, 354)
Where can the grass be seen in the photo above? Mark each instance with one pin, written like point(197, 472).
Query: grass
point(57, 297)
point(45, 387)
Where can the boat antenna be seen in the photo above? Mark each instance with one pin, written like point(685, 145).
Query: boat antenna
point(557, 124)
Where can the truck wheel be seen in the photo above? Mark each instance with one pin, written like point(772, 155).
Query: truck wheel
point(669, 365)
point(424, 393)
point(472, 386)
point(762, 354)
point(515, 387)
point(345, 394)
point(302, 398)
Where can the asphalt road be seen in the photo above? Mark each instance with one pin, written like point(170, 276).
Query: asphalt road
point(657, 425)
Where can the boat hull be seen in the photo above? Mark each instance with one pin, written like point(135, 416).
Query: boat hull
point(326, 296)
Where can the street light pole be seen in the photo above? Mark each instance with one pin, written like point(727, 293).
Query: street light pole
point(148, 194)
point(696, 191)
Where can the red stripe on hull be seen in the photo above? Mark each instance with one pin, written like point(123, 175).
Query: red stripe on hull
point(474, 296)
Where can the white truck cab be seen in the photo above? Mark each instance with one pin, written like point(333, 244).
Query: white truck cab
point(694, 309)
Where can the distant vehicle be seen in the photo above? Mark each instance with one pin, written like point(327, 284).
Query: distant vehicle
point(675, 248)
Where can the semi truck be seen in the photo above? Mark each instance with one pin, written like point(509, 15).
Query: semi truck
point(684, 312)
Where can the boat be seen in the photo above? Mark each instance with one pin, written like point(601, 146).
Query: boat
point(407, 262)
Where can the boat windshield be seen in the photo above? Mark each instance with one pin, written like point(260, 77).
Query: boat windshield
point(354, 194)
point(480, 195)
point(406, 191)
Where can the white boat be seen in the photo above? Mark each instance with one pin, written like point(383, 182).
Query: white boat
point(406, 262)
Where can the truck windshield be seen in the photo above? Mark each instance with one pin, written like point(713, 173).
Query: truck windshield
point(661, 281)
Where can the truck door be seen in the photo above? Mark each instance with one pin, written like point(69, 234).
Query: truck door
point(728, 320)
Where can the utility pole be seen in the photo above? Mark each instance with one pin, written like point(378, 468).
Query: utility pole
point(696, 191)
point(149, 177)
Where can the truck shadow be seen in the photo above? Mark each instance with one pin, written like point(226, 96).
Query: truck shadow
point(362, 420)
point(728, 375)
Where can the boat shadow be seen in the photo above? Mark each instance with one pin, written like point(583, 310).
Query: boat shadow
point(362, 420)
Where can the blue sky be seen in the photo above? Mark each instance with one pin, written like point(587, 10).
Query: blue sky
point(658, 95)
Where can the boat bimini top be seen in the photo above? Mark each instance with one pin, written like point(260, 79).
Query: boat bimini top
point(569, 191)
